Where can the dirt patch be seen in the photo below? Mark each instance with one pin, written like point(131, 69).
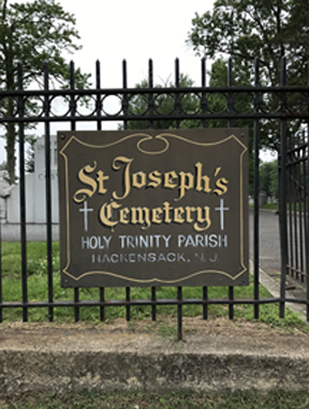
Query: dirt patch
point(163, 328)
point(214, 355)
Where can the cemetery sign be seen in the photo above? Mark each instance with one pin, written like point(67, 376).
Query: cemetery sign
point(153, 207)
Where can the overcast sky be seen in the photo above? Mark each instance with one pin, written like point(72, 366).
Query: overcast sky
point(136, 30)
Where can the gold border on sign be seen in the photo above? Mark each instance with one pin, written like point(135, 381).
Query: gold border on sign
point(147, 137)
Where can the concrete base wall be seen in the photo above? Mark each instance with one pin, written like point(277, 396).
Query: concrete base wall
point(34, 231)
point(68, 360)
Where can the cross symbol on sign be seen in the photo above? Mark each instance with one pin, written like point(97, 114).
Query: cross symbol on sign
point(86, 210)
point(222, 209)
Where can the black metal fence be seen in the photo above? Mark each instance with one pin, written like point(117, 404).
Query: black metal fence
point(274, 113)
point(296, 241)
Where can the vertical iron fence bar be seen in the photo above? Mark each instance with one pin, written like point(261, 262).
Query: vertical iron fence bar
point(283, 196)
point(179, 313)
point(128, 298)
point(150, 96)
point(306, 216)
point(73, 128)
point(230, 94)
point(99, 127)
point(1, 294)
point(205, 306)
point(48, 196)
point(295, 189)
point(125, 103)
point(300, 204)
point(306, 204)
point(305, 210)
point(98, 98)
point(179, 289)
point(23, 236)
point(203, 96)
point(125, 125)
point(289, 195)
point(76, 299)
point(154, 307)
point(177, 98)
point(256, 231)
point(299, 211)
point(290, 192)
point(102, 299)
point(230, 124)
point(303, 201)
point(151, 125)
point(124, 85)
point(204, 110)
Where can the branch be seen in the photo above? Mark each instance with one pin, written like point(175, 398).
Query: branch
point(257, 19)
point(4, 10)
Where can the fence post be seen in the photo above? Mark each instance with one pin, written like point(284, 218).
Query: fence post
point(283, 196)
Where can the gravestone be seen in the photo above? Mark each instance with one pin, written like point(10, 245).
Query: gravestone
point(39, 184)
point(5, 191)
point(35, 188)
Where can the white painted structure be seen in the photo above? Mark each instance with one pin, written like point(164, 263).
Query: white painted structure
point(35, 192)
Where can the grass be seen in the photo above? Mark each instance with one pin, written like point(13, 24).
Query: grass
point(275, 206)
point(167, 400)
point(270, 206)
point(38, 291)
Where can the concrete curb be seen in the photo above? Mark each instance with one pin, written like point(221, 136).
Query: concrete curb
point(219, 356)
point(274, 288)
point(68, 360)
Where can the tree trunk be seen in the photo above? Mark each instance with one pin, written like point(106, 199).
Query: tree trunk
point(11, 127)
point(10, 152)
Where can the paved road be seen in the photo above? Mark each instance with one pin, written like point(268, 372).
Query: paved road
point(269, 241)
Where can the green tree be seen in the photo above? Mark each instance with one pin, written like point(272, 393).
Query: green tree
point(264, 29)
point(163, 104)
point(33, 33)
point(268, 175)
point(246, 29)
point(217, 104)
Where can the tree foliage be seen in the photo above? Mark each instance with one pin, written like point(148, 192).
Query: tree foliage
point(268, 174)
point(163, 104)
point(246, 29)
point(263, 29)
point(33, 33)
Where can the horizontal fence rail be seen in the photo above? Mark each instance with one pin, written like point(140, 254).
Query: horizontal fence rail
point(76, 102)
point(253, 105)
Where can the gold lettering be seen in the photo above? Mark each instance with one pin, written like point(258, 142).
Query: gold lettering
point(111, 214)
point(155, 177)
point(166, 208)
point(168, 179)
point(138, 179)
point(87, 180)
point(124, 216)
point(202, 219)
point(101, 178)
point(200, 179)
point(189, 211)
point(221, 187)
point(178, 212)
point(106, 214)
point(140, 215)
point(126, 175)
point(156, 215)
point(186, 183)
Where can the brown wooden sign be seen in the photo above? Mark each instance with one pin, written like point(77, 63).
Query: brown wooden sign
point(153, 207)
